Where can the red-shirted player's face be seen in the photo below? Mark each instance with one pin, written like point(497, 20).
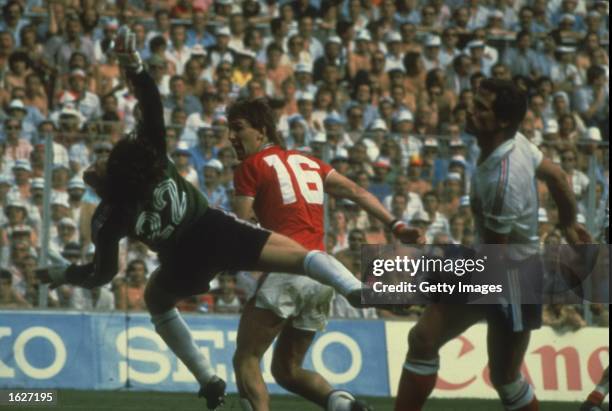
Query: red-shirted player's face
point(245, 139)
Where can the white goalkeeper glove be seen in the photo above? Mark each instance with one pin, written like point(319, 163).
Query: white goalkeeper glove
point(54, 275)
point(124, 47)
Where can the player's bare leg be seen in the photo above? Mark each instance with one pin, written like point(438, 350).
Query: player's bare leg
point(506, 353)
point(174, 331)
point(287, 370)
point(439, 324)
point(282, 254)
point(256, 332)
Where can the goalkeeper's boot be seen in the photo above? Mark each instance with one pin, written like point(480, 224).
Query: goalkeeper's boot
point(214, 393)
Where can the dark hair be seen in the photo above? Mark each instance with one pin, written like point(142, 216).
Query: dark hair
point(19, 55)
point(258, 113)
point(135, 261)
point(7, 6)
point(410, 63)
point(134, 168)
point(522, 34)
point(476, 76)
point(275, 24)
point(273, 46)
point(432, 79)
point(6, 275)
point(343, 26)
point(160, 12)
point(157, 42)
point(542, 80)
point(593, 73)
point(510, 102)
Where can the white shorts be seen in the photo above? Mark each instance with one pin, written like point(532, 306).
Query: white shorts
point(305, 302)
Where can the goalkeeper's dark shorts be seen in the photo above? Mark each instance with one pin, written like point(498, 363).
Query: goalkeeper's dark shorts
point(218, 241)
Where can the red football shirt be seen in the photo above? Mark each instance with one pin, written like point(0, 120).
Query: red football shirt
point(288, 191)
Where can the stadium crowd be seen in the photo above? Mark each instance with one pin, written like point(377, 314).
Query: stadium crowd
point(380, 89)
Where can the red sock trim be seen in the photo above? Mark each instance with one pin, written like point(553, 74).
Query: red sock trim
point(596, 398)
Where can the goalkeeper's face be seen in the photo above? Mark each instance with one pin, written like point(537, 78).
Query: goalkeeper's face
point(96, 174)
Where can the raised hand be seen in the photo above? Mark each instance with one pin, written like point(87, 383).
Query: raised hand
point(124, 47)
point(54, 275)
point(576, 234)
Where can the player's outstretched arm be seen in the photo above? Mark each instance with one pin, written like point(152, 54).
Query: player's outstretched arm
point(339, 186)
point(144, 88)
point(95, 274)
point(556, 181)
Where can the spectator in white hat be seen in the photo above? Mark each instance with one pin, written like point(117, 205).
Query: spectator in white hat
point(579, 180)
point(305, 105)
point(374, 137)
point(480, 62)
point(395, 53)
point(76, 190)
point(28, 117)
point(564, 72)
point(60, 207)
point(544, 224)
point(212, 188)
point(67, 232)
point(421, 220)
point(550, 132)
point(590, 145)
point(221, 50)
point(561, 106)
point(404, 126)
point(431, 53)
point(22, 172)
point(332, 54)
point(568, 12)
point(360, 58)
point(304, 78)
point(243, 68)
point(77, 95)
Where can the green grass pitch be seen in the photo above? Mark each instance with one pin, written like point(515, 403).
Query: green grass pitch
point(158, 401)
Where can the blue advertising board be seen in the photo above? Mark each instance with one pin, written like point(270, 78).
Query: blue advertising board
point(102, 351)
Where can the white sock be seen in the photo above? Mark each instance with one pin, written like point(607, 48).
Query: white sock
point(327, 270)
point(516, 395)
point(340, 401)
point(245, 404)
point(423, 367)
point(175, 333)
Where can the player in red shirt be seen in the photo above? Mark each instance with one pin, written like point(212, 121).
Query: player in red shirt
point(285, 189)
